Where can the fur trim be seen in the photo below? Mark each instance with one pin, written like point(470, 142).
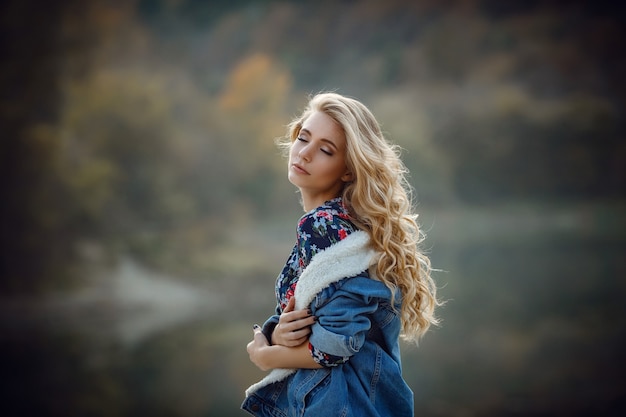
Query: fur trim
point(274, 376)
point(344, 259)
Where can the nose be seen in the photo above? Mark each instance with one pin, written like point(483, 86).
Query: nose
point(305, 153)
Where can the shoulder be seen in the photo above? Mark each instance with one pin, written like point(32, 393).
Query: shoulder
point(350, 257)
point(360, 289)
point(362, 286)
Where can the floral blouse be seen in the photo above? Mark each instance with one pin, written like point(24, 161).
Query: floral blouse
point(317, 230)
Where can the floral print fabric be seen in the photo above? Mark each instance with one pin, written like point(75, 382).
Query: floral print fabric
point(317, 230)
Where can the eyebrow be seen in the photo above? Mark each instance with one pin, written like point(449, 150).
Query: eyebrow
point(330, 142)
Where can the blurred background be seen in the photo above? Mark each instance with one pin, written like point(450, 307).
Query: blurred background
point(145, 210)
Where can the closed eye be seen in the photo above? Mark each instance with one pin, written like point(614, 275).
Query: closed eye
point(326, 151)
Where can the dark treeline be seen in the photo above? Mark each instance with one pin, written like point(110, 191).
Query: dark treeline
point(36, 232)
point(146, 125)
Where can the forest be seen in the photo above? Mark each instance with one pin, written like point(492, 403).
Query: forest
point(138, 142)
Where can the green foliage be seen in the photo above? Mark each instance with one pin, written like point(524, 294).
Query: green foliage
point(568, 154)
point(163, 132)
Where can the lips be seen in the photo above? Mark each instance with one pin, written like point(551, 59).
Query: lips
point(298, 168)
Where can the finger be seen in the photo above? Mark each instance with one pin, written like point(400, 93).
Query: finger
point(296, 324)
point(293, 316)
point(259, 338)
point(300, 323)
point(294, 336)
point(306, 321)
point(295, 342)
point(295, 339)
point(256, 328)
point(291, 304)
point(298, 341)
point(305, 332)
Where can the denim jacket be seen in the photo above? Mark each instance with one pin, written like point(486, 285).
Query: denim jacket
point(355, 319)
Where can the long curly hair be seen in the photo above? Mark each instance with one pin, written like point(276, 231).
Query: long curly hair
point(379, 201)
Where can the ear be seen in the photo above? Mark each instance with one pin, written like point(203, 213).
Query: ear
point(347, 177)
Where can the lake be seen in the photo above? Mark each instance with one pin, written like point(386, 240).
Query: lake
point(534, 325)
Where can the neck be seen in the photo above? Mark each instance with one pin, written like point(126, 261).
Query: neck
point(309, 203)
point(312, 200)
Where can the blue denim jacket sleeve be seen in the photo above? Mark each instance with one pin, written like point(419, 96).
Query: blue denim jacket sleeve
point(269, 325)
point(343, 311)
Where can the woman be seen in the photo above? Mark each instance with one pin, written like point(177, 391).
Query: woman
point(355, 281)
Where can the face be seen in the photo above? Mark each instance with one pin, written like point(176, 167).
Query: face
point(317, 160)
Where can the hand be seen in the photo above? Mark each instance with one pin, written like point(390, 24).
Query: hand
point(255, 348)
point(267, 357)
point(293, 327)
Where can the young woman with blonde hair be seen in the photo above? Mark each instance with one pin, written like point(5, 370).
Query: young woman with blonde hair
point(355, 281)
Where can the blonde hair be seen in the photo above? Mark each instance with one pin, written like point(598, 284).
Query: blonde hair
point(378, 200)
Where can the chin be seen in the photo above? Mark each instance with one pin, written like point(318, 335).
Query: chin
point(293, 179)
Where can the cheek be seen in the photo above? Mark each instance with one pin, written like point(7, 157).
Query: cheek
point(294, 148)
point(292, 152)
point(334, 171)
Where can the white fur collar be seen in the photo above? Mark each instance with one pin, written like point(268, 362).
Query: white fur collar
point(344, 259)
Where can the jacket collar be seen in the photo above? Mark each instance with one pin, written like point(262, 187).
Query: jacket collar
point(346, 258)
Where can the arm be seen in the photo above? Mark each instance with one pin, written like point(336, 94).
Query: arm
point(268, 357)
point(345, 320)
